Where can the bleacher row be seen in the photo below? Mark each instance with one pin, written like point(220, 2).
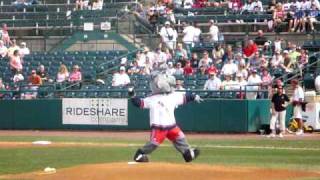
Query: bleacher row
point(88, 62)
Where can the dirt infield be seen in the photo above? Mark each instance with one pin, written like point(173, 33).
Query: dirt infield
point(155, 171)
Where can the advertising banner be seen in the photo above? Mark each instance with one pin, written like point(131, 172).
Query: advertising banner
point(98, 111)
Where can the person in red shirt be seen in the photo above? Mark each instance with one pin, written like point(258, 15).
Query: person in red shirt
point(34, 79)
point(212, 69)
point(250, 49)
point(188, 70)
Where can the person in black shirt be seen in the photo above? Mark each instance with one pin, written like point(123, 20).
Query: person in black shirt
point(260, 40)
point(279, 103)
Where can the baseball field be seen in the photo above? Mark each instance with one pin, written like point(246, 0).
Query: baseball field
point(105, 155)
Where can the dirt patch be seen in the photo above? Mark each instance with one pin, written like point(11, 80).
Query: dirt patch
point(155, 171)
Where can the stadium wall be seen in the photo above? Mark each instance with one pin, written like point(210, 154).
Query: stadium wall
point(210, 116)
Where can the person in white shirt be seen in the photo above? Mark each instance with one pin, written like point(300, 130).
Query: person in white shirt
point(188, 36)
point(297, 102)
point(162, 104)
point(316, 3)
point(305, 5)
point(187, 4)
point(228, 83)
point(178, 70)
point(160, 59)
point(317, 83)
point(240, 82)
point(254, 82)
point(257, 6)
point(170, 69)
point(3, 50)
point(213, 83)
point(205, 60)
point(277, 60)
point(121, 78)
point(168, 36)
point(23, 49)
point(213, 31)
point(229, 68)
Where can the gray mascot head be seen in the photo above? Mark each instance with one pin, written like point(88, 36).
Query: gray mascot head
point(162, 83)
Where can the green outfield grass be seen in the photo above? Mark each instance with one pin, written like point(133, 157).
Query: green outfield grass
point(288, 154)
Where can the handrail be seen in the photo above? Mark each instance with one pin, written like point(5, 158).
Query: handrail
point(297, 71)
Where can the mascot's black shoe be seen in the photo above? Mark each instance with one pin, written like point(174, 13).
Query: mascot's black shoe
point(191, 154)
point(140, 156)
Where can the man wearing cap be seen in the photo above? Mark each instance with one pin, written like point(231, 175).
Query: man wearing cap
point(297, 103)
point(213, 83)
point(23, 49)
point(213, 31)
point(121, 78)
point(279, 104)
point(168, 35)
point(254, 82)
point(240, 84)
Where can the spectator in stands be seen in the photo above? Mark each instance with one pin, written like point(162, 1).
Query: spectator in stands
point(266, 79)
point(23, 49)
point(299, 21)
point(254, 61)
point(140, 59)
point(178, 69)
point(4, 35)
point(170, 69)
point(242, 69)
point(168, 36)
point(97, 5)
point(160, 59)
point(134, 68)
point(317, 83)
point(79, 4)
point(213, 83)
point(229, 68)
point(194, 60)
point(168, 54)
point(278, 18)
point(316, 3)
point(250, 49)
point(188, 70)
point(121, 78)
point(260, 40)
point(200, 3)
point(202, 72)
point(240, 83)
point(257, 6)
point(43, 74)
point(277, 60)
point(179, 86)
point(227, 83)
point(3, 50)
point(312, 16)
point(287, 63)
point(63, 74)
point(213, 31)
point(303, 58)
point(187, 4)
point(197, 33)
point(254, 82)
point(290, 17)
point(75, 75)
point(34, 79)
point(15, 62)
point(227, 54)
point(18, 77)
point(13, 47)
point(264, 63)
point(180, 53)
point(205, 60)
point(217, 53)
point(294, 54)
point(277, 44)
point(239, 59)
point(2, 88)
point(212, 68)
point(235, 6)
point(271, 6)
point(188, 37)
point(247, 7)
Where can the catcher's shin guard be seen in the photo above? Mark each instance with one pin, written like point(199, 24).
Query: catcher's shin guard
point(191, 154)
point(140, 156)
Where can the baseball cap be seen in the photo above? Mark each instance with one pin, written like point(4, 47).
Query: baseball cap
point(122, 68)
point(254, 70)
point(285, 52)
point(167, 23)
point(33, 71)
point(23, 43)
